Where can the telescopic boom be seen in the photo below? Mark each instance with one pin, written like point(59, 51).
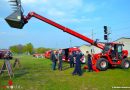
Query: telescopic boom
point(63, 28)
point(18, 20)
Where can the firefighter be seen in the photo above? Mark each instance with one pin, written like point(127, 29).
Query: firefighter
point(71, 58)
point(113, 53)
point(89, 63)
point(8, 55)
point(60, 55)
point(53, 57)
point(77, 69)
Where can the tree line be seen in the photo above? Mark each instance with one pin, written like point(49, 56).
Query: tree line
point(27, 49)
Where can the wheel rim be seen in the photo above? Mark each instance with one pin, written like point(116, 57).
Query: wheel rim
point(103, 64)
point(126, 64)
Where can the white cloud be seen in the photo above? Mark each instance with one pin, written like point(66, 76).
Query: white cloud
point(56, 13)
point(1, 19)
point(72, 20)
point(28, 1)
point(57, 6)
point(32, 1)
point(90, 8)
point(63, 10)
point(1, 33)
point(79, 20)
point(5, 0)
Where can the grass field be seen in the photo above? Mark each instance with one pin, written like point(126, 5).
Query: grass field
point(36, 74)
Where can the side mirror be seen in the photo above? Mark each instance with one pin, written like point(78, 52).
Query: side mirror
point(95, 43)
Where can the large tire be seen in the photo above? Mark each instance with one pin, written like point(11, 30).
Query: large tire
point(102, 64)
point(125, 64)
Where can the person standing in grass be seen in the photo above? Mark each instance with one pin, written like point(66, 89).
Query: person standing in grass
point(71, 58)
point(53, 59)
point(89, 61)
point(77, 69)
point(60, 55)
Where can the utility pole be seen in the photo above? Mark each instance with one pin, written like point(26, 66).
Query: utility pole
point(70, 42)
point(92, 39)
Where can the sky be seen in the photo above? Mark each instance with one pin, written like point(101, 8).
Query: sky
point(82, 16)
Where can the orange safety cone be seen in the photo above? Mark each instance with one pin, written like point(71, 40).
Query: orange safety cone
point(85, 67)
point(95, 69)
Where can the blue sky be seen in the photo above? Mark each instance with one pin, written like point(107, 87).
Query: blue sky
point(82, 16)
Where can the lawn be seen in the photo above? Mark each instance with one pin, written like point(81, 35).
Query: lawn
point(36, 74)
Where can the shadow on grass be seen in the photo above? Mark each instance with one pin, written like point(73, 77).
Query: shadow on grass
point(65, 67)
point(83, 71)
point(118, 68)
point(17, 73)
point(20, 72)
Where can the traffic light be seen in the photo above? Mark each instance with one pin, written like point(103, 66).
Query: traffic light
point(105, 37)
point(105, 30)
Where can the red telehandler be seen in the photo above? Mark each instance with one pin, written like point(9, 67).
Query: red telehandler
point(112, 53)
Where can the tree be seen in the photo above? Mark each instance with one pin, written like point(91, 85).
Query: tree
point(19, 49)
point(29, 48)
point(42, 50)
point(14, 49)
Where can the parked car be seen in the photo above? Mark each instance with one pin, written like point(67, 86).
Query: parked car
point(47, 54)
point(72, 49)
point(38, 55)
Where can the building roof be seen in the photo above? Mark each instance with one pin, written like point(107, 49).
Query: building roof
point(104, 42)
point(86, 45)
point(122, 38)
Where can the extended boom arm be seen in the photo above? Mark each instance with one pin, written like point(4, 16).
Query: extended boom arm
point(65, 29)
point(18, 20)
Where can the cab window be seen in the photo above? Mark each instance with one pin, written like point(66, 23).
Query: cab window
point(119, 49)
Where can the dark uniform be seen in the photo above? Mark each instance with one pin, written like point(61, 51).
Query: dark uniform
point(71, 58)
point(8, 55)
point(54, 59)
point(60, 61)
point(77, 69)
point(89, 63)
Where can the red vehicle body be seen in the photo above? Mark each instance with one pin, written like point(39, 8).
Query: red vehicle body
point(47, 54)
point(67, 51)
point(38, 55)
point(72, 49)
point(2, 52)
point(112, 53)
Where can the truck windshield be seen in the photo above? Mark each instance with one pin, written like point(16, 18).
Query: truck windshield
point(106, 48)
point(119, 49)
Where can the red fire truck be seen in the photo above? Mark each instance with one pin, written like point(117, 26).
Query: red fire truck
point(101, 61)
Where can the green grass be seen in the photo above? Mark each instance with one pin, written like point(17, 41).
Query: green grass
point(36, 74)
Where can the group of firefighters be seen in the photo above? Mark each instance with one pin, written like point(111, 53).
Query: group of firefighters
point(74, 60)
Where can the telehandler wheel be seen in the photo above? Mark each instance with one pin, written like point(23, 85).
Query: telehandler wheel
point(125, 64)
point(102, 64)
